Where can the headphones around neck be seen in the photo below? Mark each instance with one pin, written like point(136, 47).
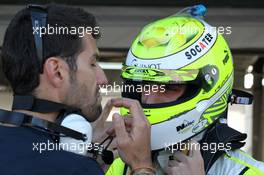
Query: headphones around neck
point(56, 130)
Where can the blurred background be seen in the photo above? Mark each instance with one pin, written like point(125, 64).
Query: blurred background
point(121, 20)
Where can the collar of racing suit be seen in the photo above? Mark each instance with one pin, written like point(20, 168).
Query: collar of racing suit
point(220, 134)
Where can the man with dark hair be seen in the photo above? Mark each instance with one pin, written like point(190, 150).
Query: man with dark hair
point(60, 70)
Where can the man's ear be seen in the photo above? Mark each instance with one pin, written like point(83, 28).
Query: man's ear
point(54, 70)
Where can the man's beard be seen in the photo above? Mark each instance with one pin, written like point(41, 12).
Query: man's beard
point(77, 98)
point(93, 112)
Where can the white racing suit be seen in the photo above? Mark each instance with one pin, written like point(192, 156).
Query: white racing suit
point(228, 162)
point(232, 163)
point(236, 163)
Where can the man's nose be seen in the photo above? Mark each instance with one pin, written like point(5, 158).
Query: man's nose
point(101, 78)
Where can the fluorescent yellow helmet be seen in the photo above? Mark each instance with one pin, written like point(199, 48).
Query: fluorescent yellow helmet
point(181, 49)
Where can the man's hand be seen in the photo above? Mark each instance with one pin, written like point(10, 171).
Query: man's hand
point(192, 164)
point(99, 126)
point(133, 135)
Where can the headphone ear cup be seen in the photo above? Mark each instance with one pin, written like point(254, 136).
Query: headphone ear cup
point(78, 123)
point(107, 157)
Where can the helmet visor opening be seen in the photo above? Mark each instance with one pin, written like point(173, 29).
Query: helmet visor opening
point(172, 94)
point(152, 95)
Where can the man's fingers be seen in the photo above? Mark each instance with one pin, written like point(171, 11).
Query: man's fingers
point(179, 156)
point(128, 123)
point(172, 170)
point(105, 113)
point(133, 106)
point(119, 128)
point(172, 163)
point(111, 131)
point(195, 149)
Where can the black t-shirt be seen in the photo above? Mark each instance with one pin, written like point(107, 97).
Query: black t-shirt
point(20, 154)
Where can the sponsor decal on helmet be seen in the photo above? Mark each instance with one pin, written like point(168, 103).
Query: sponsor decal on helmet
point(179, 59)
point(186, 125)
point(195, 50)
point(152, 65)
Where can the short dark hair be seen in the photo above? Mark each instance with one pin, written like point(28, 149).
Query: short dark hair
point(19, 56)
